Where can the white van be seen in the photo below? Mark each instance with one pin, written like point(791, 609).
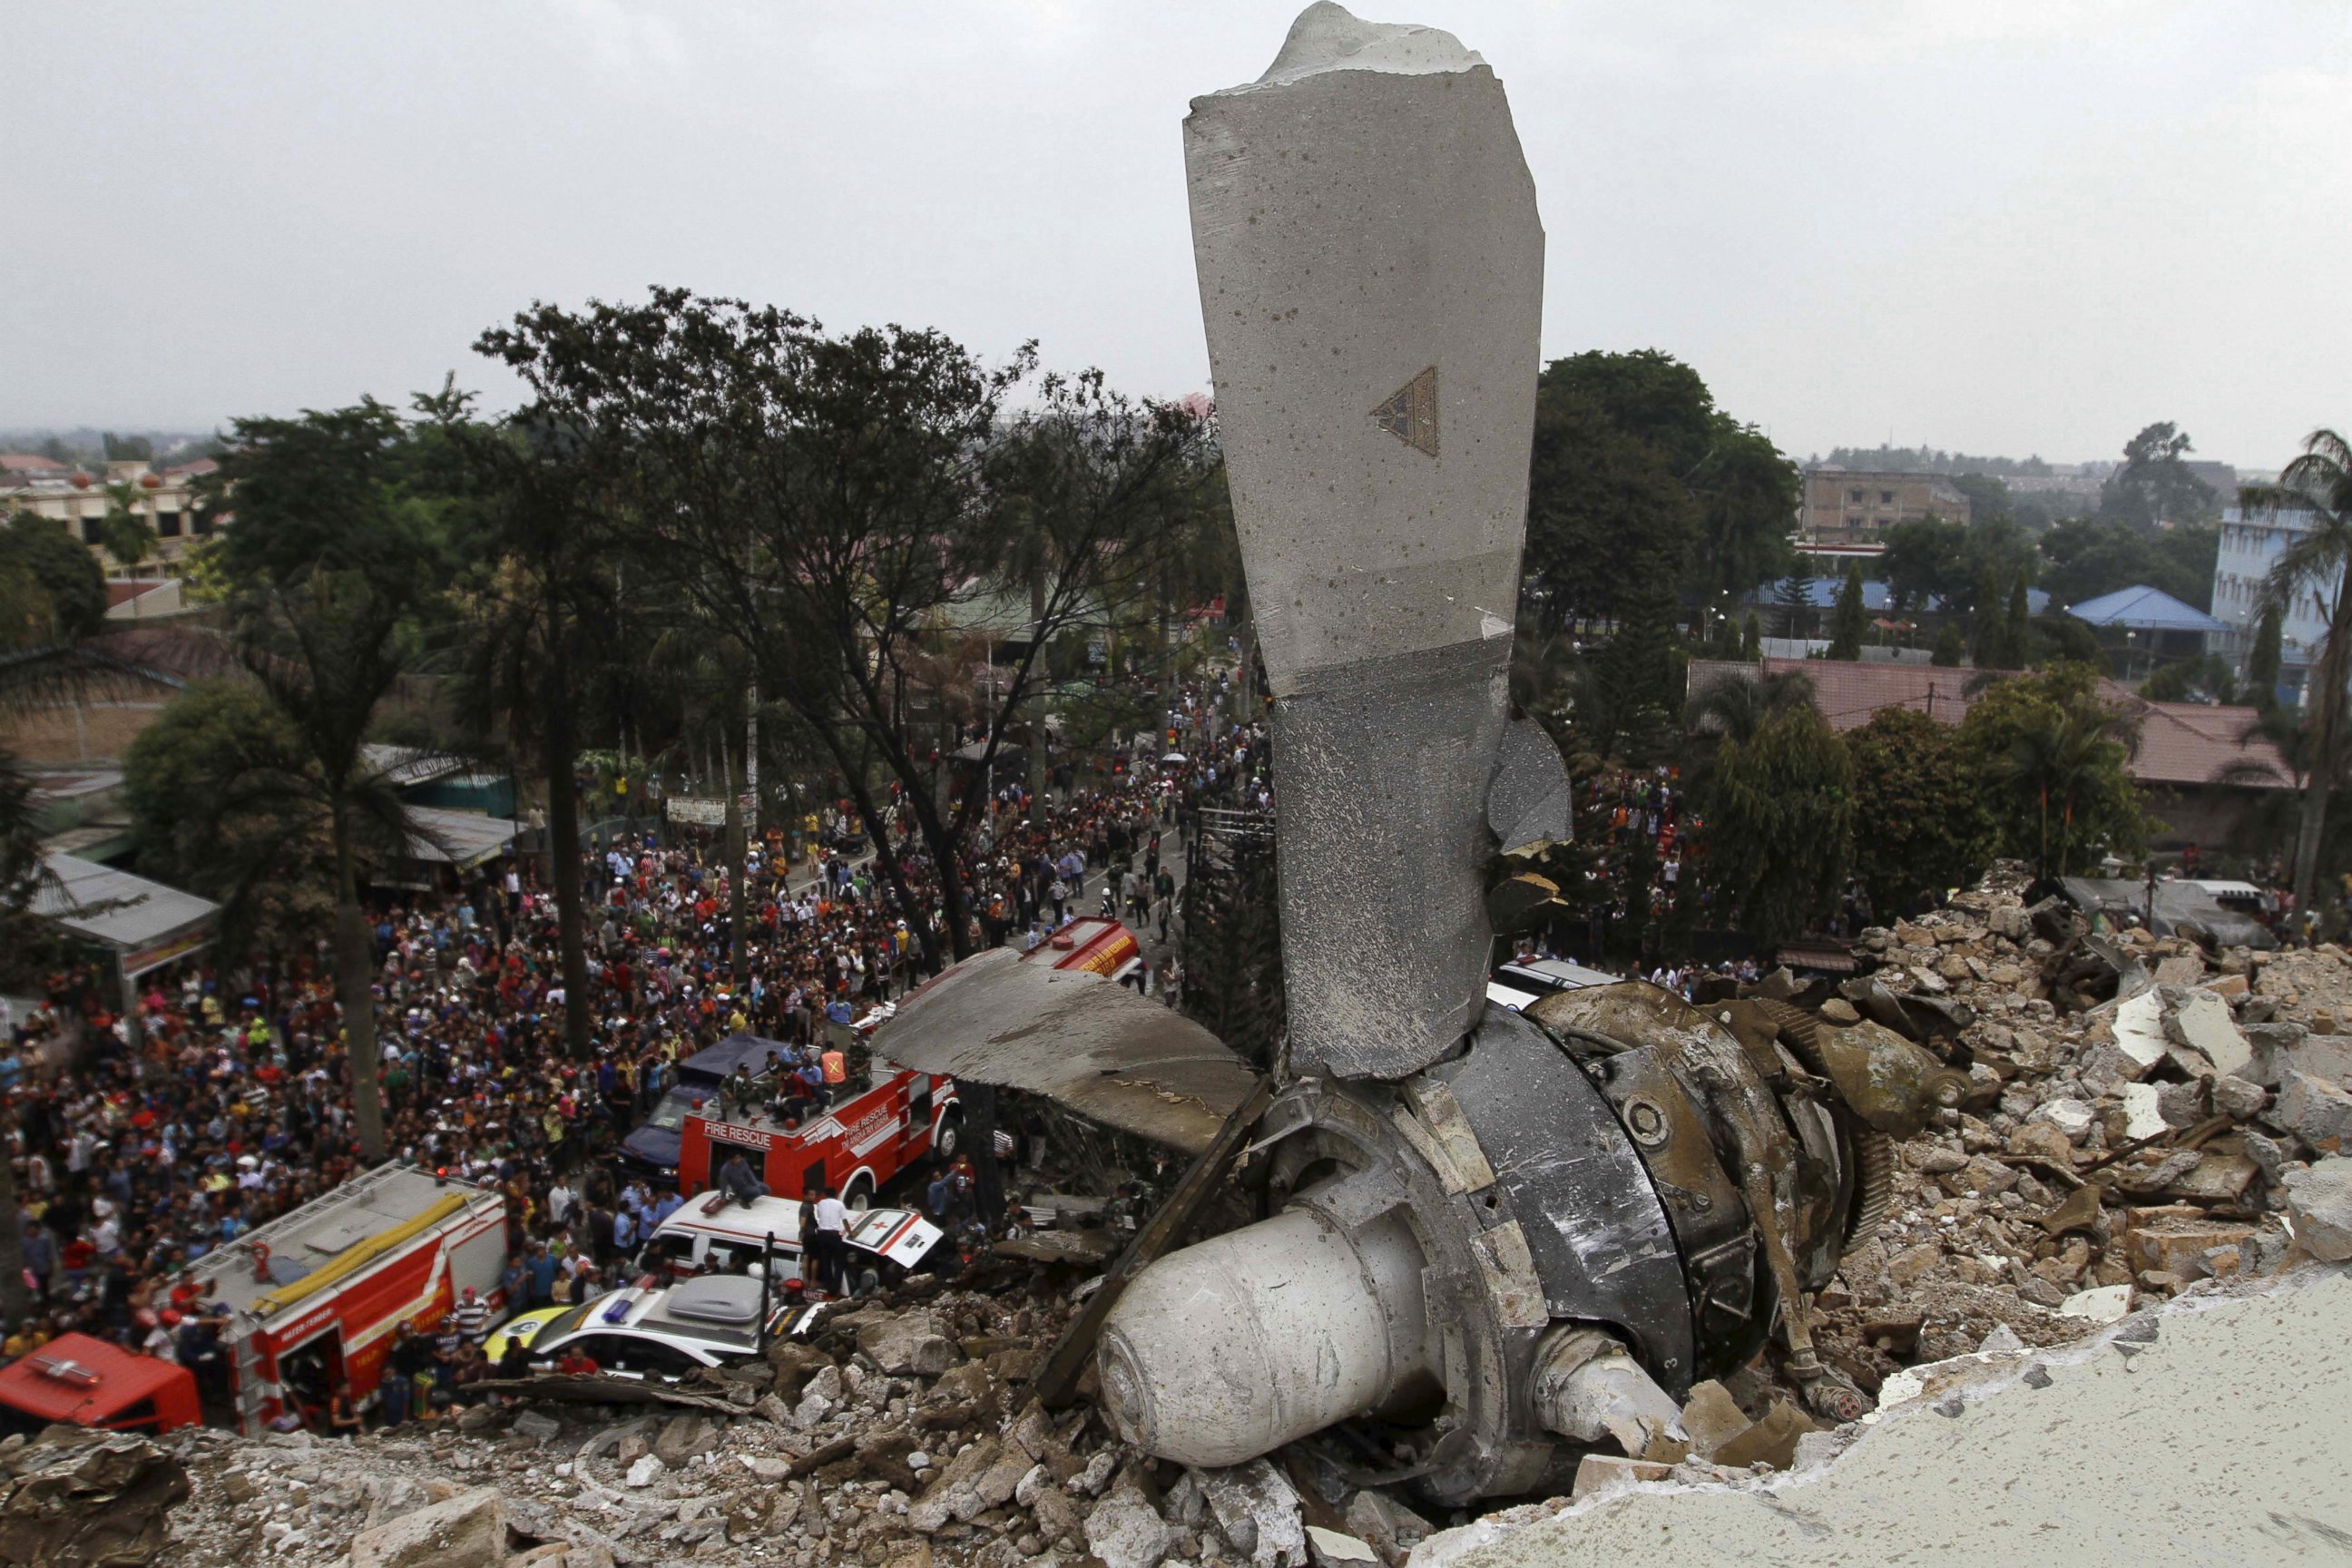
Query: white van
point(712, 1235)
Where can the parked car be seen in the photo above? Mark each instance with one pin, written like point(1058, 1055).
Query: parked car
point(711, 1321)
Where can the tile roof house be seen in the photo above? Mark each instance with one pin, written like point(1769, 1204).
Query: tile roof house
point(2197, 766)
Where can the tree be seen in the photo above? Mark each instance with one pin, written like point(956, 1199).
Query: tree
point(2156, 487)
point(2016, 629)
point(542, 614)
point(1735, 710)
point(1747, 491)
point(1849, 620)
point(2263, 663)
point(1626, 693)
point(2317, 484)
point(1751, 636)
point(122, 532)
point(68, 575)
point(1988, 498)
point(1951, 649)
point(1637, 474)
point(1925, 560)
point(214, 808)
point(1921, 821)
point(1606, 511)
point(2059, 638)
point(830, 500)
point(330, 562)
point(2085, 557)
point(2056, 757)
point(1782, 824)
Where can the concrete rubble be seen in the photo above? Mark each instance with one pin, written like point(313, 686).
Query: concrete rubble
point(2155, 1125)
point(2222, 1418)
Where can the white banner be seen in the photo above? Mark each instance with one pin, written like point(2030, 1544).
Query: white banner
point(705, 811)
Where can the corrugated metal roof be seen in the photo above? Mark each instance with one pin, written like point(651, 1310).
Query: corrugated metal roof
point(460, 838)
point(2143, 608)
point(141, 913)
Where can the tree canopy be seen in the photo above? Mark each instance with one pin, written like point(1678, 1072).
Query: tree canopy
point(1782, 820)
point(1636, 477)
point(2056, 757)
point(1921, 826)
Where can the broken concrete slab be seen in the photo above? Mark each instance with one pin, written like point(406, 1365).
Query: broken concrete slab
point(2107, 1304)
point(2139, 1027)
point(1598, 1473)
point(2314, 1111)
point(1711, 1418)
point(468, 1531)
point(2203, 1023)
point(1124, 1531)
point(2069, 1117)
point(1332, 1550)
point(1257, 1509)
point(2221, 1408)
point(2319, 1201)
point(2276, 1048)
point(1770, 1441)
point(2174, 1241)
point(2143, 1108)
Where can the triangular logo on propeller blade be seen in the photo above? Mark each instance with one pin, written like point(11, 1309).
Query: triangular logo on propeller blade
point(1409, 413)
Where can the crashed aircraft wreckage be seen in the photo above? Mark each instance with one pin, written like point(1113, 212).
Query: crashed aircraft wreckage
point(1492, 1241)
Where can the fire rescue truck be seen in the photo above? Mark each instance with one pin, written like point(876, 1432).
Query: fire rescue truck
point(875, 1130)
point(314, 1296)
point(1095, 942)
point(889, 1123)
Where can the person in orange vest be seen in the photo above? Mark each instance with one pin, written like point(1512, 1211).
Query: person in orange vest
point(837, 1072)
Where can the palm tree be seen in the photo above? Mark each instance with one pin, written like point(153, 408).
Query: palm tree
point(122, 532)
point(2317, 484)
point(2054, 759)
point(1736, 709)
point(2269, 818)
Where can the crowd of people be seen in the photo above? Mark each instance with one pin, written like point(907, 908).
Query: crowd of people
point(143, 1143)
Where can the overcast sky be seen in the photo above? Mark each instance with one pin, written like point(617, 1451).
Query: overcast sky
point(1993, 226)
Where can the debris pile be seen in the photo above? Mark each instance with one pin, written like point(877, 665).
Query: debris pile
point(2142, 1115)
point(903, 1434)
point(80, 1499)
point(2138, 1119)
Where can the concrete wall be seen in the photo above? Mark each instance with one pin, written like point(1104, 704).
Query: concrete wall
point(2218, 1438)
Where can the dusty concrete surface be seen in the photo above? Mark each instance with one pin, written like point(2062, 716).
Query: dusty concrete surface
point(2221, 1441)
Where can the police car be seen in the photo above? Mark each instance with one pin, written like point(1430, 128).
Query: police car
point(712, 1320)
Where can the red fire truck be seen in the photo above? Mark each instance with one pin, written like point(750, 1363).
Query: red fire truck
point(314, 1295)
point(90, 1383)
point(853, 1146)
point(896, 1118)
point(1097, 943)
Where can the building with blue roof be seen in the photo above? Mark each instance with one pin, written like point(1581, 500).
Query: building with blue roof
point(2156, 628)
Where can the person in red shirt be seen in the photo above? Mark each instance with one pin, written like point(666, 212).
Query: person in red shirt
point(576, 1362)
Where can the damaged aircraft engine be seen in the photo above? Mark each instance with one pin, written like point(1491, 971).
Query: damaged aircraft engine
point(1492, 1240)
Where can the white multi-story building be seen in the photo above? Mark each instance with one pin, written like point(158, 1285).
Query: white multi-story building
point(78, 500)
point(2249, 547)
